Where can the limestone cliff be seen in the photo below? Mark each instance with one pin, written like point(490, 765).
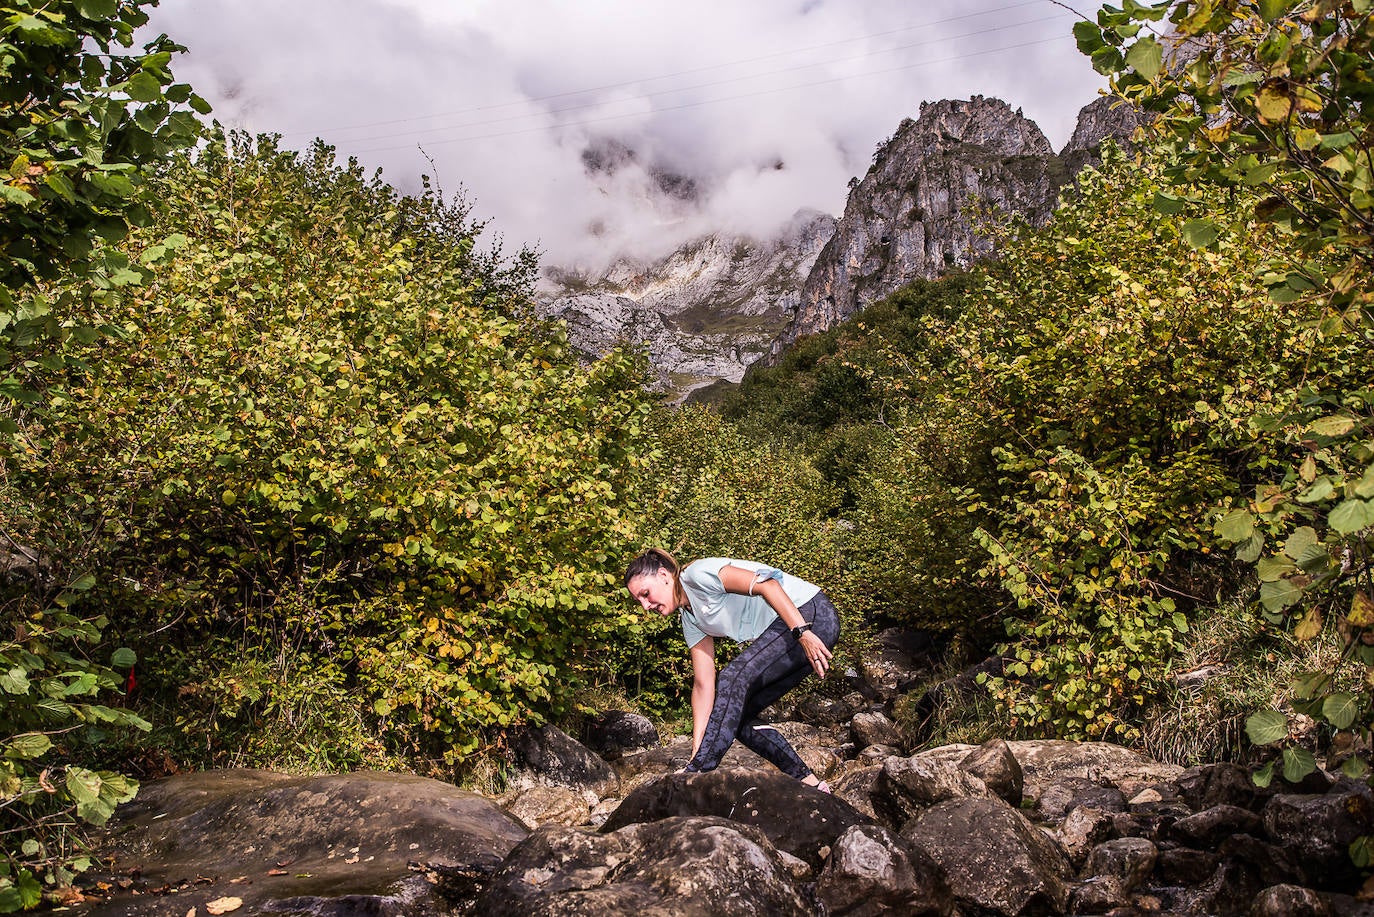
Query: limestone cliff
point(910, 215)
point(705, 312)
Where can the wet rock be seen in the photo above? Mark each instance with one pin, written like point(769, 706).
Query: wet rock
point(617, 732)
point(1266, 863)
point(873, 871)
point(1128, 859)
point(550, 756)
point(1223, 784)
point(1184, 866)
point(994, 764)
point(1229, 892)
point(348, 841)
point(794, 817)
point(994, 857)
point(1318, 830)
point(688, 866)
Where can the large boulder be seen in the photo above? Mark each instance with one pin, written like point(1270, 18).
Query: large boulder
point(996, 860)
point(617, 732)
point(796, 818)
point(545, 805)
point(995, 765)
point(547, 755)
point(871, 727)
point(873, 871)
point(268, 838)
point(908, 786)
point(674, 867)
point(1318, 830)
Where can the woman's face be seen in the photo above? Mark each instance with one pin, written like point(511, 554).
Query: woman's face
point(654, 591)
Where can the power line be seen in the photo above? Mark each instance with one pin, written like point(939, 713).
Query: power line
point(748, 95)
point(707, 85)
point(664, 76)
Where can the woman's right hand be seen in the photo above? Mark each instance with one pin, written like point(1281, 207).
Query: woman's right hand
point(816, 651)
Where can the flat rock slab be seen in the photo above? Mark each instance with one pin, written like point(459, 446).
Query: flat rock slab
point(356, 843)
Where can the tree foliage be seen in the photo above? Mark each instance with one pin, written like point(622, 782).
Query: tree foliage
point(1277, 95)
point(327, 450)
point(80, 120)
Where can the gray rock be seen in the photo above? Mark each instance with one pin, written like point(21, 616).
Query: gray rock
point(1128, 859)
point(994, 857)
point(877, 754)
point(1103, 118)
point(1289, 901)
point(794, 817)
point(705, 311)
point(856, 788)
point(1062, 796)
point(544, 805)
point(616, 732)
point(874, 728)
point(1318, 830)
point(1209, 827)
point(692, 867)
point(873, 871)
point(550, 756)
point(1098, 895)
point(1082, 830)
point(994, 764)
point(348, 841)
point(908, 786)
point(907, 218)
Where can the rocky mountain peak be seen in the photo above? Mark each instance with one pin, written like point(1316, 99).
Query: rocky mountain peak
point(910, 217)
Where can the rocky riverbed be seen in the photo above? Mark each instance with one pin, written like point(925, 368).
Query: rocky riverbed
point(608, 827)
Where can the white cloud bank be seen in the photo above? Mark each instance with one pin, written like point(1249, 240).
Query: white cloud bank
point(766, 106)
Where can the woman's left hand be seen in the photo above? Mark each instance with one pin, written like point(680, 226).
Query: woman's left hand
point(816, 651)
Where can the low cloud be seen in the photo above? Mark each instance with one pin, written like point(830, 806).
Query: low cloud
point(758, 109)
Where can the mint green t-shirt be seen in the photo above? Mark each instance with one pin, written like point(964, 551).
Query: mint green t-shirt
point(713, 612)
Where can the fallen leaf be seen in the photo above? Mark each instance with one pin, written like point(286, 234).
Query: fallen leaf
point(351, 860)
point(191, 913)
point(285, 863)
point(240, 880)
point(276, 872)
point(223, 905)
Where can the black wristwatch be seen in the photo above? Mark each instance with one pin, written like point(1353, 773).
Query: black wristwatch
point(799, 630)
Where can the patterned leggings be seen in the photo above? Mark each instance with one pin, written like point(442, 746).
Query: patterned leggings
point(766, 670)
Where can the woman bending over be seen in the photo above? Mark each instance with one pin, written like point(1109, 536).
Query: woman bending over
point(791, 629)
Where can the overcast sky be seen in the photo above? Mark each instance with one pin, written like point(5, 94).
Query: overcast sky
point(768, 106)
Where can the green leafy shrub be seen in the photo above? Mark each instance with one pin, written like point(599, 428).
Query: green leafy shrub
point(331, 467)
point(1276, 95)
point(80, 121)
point(1122, 378)
point(54, 721)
